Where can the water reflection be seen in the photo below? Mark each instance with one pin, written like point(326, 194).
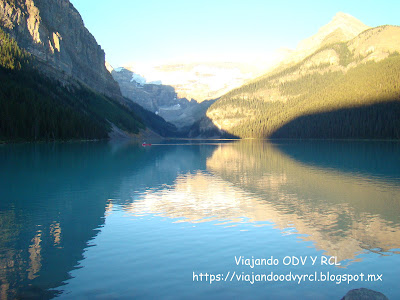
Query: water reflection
point(198, 197)
point(55, 200)
point(343, 213)
point(44, 223)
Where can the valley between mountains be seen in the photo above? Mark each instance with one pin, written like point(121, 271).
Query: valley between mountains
point(342, 82)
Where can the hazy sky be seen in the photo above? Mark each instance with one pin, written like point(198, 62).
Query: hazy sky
point(159, 30)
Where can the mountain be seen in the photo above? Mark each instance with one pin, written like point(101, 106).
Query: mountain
point(207, 79)
point(160, 99)
point(343, 27)
point(55, 84)
point(347, 87)
point(36, 107)
point(203, 80)
point(53, 32)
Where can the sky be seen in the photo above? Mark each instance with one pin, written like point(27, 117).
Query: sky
point(160, 31)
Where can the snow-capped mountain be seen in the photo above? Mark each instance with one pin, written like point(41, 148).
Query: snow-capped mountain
point(206, 79)
point(160, 99)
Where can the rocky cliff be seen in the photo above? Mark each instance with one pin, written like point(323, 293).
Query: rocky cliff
point(150, 96)
point(160, 99)
point(53, 31)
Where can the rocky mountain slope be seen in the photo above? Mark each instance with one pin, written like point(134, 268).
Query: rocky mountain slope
point(343, 27)
point(329, 89)
point(55, 85)
point(53, 32)
point(160, 99)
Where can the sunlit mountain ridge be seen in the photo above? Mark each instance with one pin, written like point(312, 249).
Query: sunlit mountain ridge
point(330, 87)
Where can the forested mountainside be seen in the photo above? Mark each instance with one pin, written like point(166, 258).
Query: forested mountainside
point(343, 90)
point(54, 83)
point(34, 107)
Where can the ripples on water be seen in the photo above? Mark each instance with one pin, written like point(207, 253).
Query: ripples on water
point(122, 221)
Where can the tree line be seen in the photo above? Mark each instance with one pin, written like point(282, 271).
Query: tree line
point(34, 107)
point(360, 103)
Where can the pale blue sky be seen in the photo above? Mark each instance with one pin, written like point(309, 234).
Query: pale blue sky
point(157, 30)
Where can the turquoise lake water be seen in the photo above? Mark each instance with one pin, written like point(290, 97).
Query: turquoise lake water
point(178, 220)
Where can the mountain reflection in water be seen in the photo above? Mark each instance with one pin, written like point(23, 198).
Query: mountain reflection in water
point(343, 212)
point(83, 219)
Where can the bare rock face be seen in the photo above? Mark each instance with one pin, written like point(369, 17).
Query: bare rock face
point(53, 31)
point(160, 99)
point(149, 96)
point(343, 27)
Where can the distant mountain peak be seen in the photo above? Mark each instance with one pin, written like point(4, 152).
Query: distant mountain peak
point(347, 22)
point(344, 16)
point(343, 23)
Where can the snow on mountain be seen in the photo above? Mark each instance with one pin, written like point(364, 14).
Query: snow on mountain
point(200, 80)
point(138, 79)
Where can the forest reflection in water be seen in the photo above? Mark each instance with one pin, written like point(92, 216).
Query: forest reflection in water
point(63, 210)
point(343, 212)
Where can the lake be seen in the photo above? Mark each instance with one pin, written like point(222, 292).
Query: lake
point(199, 220)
